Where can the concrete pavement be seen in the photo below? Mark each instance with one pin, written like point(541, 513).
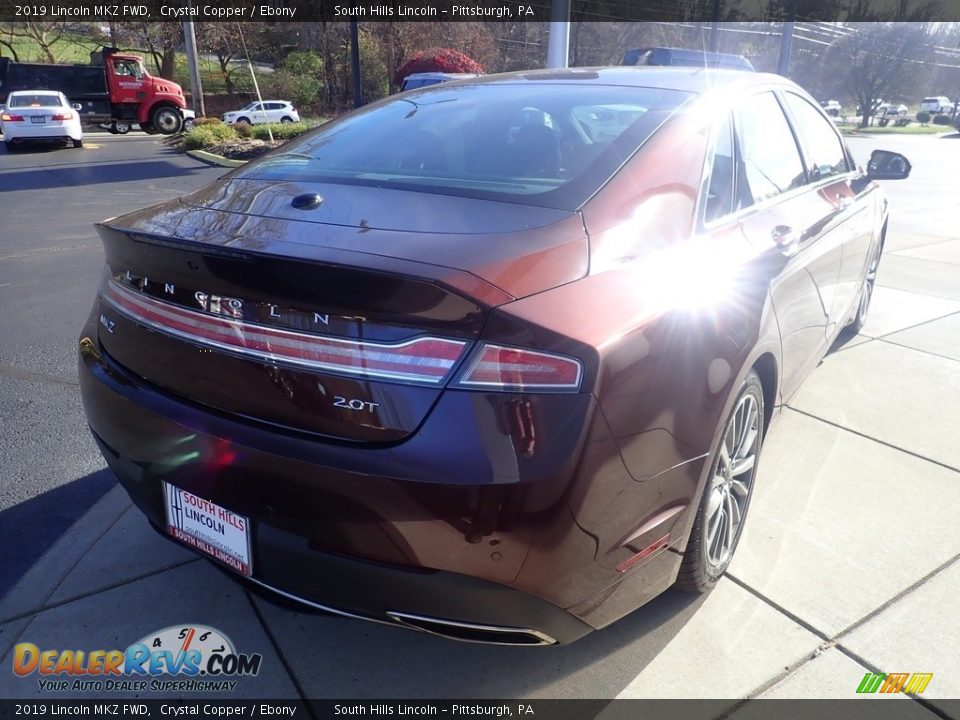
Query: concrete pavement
point(849, 562)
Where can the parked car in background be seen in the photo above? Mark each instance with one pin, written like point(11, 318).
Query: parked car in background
point(419, 80)
point(936, 105)
point(683, 57)
point(831, 108)
point(496, 364)
point(41, 116)
point(876, 104)
point(889, 110)
point(268, 111)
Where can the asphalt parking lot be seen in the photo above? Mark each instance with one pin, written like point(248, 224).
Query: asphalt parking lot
point(848, 563)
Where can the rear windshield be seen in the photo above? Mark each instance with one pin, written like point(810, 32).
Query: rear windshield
point(35, 100)
point(550, 144)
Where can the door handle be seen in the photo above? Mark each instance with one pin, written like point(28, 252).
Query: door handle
point(844, 201)
point(786, 239)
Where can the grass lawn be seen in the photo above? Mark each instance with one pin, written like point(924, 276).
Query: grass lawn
point(912, 129)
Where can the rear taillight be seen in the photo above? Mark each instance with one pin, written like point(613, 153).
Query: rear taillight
point(7, 117)
point(427, 360)
point(495, 367)
point(62, 116)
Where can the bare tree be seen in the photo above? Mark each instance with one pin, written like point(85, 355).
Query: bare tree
point(880, 59)
point(223, 40)
point(44, 34)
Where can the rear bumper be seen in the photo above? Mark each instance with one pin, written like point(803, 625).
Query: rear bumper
point(360, 542)
point(21, 131)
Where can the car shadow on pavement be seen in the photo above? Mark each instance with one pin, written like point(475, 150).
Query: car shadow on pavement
point(95, 174)
point(338, 657)
point(30, 529)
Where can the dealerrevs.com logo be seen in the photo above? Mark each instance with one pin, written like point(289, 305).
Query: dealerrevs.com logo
point(202, 658)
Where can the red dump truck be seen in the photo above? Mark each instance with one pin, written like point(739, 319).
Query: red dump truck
point(114, 89)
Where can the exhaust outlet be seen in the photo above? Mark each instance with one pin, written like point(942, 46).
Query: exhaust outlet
point(472, 632)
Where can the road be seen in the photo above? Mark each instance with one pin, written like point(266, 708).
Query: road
point(848, 564)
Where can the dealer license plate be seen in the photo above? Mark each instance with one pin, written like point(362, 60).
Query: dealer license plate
point(199, 523)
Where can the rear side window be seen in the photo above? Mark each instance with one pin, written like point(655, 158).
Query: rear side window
point(771, 160)
point(35, 100)
point(821, 144)
point(718, 200)
point(548, 144)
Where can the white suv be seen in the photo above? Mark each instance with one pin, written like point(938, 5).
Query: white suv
point(269, 111)
point(938, 104)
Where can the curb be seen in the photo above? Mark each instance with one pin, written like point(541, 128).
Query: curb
point(211, 159)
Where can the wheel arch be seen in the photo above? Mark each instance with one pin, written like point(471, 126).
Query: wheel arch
point(766, 368)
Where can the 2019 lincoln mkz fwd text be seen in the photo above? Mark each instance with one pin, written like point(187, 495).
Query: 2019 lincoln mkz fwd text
point(493, 359)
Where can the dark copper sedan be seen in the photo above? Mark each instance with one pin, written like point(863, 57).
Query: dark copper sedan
point(492, 359)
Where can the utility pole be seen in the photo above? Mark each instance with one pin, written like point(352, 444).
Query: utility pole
point(715, 26)
point(786, 41)
point(355, 63)
point(558, 44)
point(196, 87)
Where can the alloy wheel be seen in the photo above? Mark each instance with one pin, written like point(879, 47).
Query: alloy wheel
point(732, 481)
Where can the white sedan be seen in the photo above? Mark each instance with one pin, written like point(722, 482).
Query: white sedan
point(40, 115)
point(269, 111)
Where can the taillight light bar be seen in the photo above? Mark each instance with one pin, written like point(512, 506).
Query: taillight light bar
point(498, 367)
point(8, 117)
point(427, 360)
point(62, 116)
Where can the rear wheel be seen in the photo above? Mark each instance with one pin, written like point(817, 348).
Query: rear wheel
point(166, 120)
point(286, 120)
point(120, 127)
point(866, 295)
point(78, 143)
point(726, 497)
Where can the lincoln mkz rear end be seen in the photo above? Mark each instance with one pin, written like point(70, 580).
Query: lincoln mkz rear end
point(451, 362)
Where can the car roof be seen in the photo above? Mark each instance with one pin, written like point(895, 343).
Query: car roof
point(38, 91)
point(695, 80)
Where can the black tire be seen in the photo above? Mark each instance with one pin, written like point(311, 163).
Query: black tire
point(286, 120)
point(78, 143)
point(148, 129)
point(702, 567)
point(120, 127)
point(166, 120)
point(245, 121)
point(188, 124)
point(866, 296)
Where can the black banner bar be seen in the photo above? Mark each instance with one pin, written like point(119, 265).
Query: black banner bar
point(685, 11)
point(894, 707)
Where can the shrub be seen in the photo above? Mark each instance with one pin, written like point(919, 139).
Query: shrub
point(941, 119)
point(901, 122)
point(281, 131)
point(437, 60)
point(197, 122)
point(244, 130)
point(923, 117)
point(206, 135)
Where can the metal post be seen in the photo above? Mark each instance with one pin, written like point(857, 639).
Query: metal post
point(558, 44)
point(355, 63)
point(715, 26)
point(196, 87)
point(786, 41)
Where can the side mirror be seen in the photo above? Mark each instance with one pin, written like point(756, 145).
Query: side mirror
point(77, 106)
point(886, 165)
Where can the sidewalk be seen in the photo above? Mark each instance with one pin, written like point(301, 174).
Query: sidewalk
point(848, 563)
